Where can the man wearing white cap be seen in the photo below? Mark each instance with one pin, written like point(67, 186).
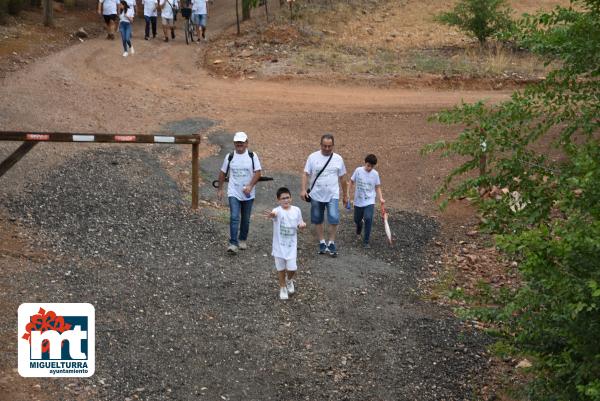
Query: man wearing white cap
point(243, 168)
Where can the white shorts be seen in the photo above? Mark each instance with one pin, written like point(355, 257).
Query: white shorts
point(282, 264)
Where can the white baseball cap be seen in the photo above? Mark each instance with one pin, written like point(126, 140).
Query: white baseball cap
point(240, 137)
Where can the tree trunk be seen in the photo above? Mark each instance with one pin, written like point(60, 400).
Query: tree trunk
point(245, 10)
point(237, 16)
point(267, 10)
point(48, 13)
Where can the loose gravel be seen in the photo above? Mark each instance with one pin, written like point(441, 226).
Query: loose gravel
point(179, 319)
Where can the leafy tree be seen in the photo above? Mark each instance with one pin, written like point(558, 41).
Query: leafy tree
point(543, 202)
point(479, 18)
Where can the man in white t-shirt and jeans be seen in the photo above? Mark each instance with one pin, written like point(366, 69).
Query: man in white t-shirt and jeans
point(324, 191)
point(243, 168)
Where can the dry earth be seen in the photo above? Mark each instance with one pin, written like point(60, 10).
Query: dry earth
point(312, 345)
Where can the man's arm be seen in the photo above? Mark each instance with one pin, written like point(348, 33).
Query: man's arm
point(255, 178)
point(305, 179)
point(344, 184)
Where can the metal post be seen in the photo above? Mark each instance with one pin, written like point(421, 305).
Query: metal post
point(195, 178)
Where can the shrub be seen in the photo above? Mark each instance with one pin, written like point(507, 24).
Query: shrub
point(544, 209)
point(479, 18)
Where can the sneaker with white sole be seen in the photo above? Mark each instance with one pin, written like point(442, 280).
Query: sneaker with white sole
point(290, 286)
point(283, 294)
point(243, 245)
point(322, 248)
point(131, 50)
point(232, 249)
point(125, 54)
point(332, 250)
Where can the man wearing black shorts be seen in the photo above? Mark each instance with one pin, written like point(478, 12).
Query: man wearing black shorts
point(108, 10)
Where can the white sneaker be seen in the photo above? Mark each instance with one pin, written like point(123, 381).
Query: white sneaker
point(243, 245)
point(232, 249)
point(290, 286)
point(283, 294)
point(125, 54)
point(131, 50)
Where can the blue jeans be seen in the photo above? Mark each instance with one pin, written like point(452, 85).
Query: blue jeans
point(317, 211)
point(364, 214)
point(125, 29)
point(239, 209)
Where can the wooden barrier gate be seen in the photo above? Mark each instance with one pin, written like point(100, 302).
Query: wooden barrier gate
point(30, 139)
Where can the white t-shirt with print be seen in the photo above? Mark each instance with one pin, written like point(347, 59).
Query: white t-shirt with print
point(166, 10)
point(285, 232)
point(130, 13)
point(150, 7)
point(199, 7)
point(365, 182)
point(240, 174)
point(327, 186)
point(109, 7)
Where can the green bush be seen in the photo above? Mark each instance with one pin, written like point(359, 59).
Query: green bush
point(479, 18)
point(544, 210)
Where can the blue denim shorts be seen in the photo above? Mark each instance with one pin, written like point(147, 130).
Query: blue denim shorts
point(199, 19)
point(317, 211)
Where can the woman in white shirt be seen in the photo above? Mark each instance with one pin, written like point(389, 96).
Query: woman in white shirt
point(126, 15)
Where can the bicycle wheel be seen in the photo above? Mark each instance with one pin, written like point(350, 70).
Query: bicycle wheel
point(192, 32)
point(187, 31)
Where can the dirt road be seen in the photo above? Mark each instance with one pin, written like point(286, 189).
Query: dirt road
point(112, 218)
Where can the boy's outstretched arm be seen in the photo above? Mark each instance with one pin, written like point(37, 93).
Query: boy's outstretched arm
point(269, 214)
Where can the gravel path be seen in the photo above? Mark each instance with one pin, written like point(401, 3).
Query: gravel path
point(179, 319)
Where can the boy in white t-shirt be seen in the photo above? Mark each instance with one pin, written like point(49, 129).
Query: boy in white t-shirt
point(368, 186)
point(286, 221)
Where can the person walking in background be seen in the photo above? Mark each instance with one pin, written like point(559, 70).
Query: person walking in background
point(126, 15)
point(108, 10)
point(243, 168)
point(150, 15)
point(325, 170)
point(167, 10)
point(287, 219)
point(200, 16)
point(368, 187)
